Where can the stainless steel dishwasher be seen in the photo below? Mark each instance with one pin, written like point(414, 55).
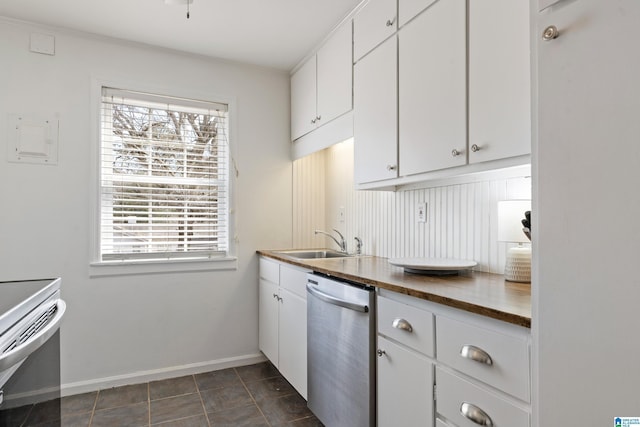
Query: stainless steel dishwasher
point(340, 352)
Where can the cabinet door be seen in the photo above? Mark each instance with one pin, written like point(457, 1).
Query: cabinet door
point(293, 340)
point(587, 143)
point(335, 75)
point(408, 9)
point(375, 120)
point(405, 387)
point(303, 99)
point(268, 318)
point(374, 22)
point(432, 89)
point(499, 80)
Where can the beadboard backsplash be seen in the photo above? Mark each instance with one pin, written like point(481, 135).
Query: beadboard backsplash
point(461, 217)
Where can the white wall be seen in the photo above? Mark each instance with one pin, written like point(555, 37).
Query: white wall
point(123, 326)
point(461, 215)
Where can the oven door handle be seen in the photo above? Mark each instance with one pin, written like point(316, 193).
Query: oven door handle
point(22, 351)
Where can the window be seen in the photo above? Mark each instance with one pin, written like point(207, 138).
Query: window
point(164, 184)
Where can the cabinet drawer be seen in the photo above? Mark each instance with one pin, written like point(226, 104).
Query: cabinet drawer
point(452, 392)
point(461, 345)
point(395, 319)
point(269, 270)
point(294, 279)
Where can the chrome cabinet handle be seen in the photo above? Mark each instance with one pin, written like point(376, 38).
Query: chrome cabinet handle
point(455, 152)
point(475, 414)
point(475, 148)
point(318, 118)
point(390, 22)
point(391, 167)
point(402, 324)
point(550, 33)
point(476, 354)
point(275, 296)
point(313, 121)
point(381, 353)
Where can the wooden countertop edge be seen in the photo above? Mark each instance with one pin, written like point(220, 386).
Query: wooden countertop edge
point(451, 302)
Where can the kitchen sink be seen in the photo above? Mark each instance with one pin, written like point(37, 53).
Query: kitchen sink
point(313, 254)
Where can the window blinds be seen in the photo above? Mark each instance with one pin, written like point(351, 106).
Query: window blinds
point(164, 177)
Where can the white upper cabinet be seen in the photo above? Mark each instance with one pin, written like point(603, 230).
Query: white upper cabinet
point(303, 99)
point(499, 80)
point(375, 22)
point(407, 9)
point(321, 89)
point(335, 75)
point(432, 89)
point(375, 114)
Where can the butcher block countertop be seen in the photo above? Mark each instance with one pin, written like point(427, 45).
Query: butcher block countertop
point(476, 292)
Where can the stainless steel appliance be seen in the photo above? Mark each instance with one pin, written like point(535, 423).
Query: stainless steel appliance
point(30, 315)
point(340, 352)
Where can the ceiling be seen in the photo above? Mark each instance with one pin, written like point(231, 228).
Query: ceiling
point(272, 33)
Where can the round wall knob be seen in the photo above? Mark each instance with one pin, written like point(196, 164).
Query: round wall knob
point(475, 148)
point(391, 167)
point(550, 33)
point(318, 117)
point(313, 121)
point(455, 152)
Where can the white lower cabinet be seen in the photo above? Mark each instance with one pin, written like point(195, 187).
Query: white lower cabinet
point(283, 320)
point(405, 386)
point(439, 366)
point(405, 368)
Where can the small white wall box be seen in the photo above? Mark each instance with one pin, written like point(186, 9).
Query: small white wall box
point(32, 139)
point(42, 43)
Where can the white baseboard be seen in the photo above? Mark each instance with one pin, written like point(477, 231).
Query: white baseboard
point(159, 374)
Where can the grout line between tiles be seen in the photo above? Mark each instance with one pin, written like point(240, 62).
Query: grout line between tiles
point(206, 415)
point(252, 398)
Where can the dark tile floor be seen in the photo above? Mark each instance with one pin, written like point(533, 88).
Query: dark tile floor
point(254, 395)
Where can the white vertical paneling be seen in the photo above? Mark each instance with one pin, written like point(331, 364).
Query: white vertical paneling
point(308, 198)
point(461, 218)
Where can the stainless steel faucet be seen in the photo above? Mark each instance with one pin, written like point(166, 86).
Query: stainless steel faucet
point(342, 243)
point(358, 245)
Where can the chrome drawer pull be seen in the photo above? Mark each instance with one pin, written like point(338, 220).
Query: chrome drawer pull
point(475, 414)
point(476, 354)
point(402, 324)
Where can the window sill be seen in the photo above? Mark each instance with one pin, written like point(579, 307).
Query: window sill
point(126, 268)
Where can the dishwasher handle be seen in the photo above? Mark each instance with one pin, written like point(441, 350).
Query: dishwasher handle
point(362, 308)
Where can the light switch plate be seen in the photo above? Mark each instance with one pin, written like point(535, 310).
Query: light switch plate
point(421, 212)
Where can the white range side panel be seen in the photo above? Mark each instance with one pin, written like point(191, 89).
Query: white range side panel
point(586, 206)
